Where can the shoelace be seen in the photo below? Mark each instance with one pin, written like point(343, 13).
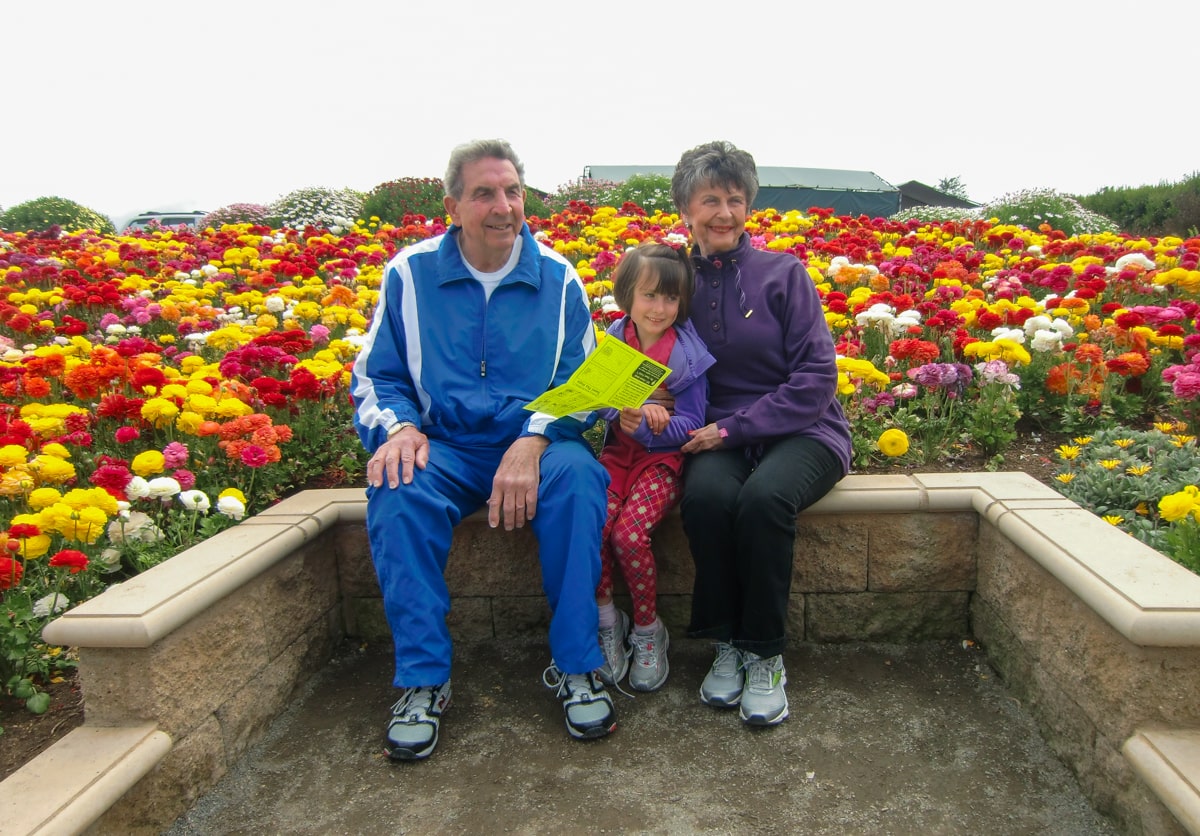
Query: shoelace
point(761, 674)
point(407, 708)
point(608, 643)
point(724, 660)
point(643, 644)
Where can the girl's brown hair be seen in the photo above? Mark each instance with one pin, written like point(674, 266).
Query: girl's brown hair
point(672, 267)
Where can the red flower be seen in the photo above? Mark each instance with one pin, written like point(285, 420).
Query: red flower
point(124, 435)
point(72, 559)
point(23, 530)
point(11, 572)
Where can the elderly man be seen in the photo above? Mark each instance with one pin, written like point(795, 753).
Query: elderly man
point(470, 327)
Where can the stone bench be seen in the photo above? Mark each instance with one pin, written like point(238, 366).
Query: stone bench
point(184, 666)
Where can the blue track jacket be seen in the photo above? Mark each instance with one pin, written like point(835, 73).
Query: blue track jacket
point(460, 367)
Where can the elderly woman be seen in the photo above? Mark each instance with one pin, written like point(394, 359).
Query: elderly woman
point(776, 440)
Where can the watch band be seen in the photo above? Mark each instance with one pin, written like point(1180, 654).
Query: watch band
point(399, 426)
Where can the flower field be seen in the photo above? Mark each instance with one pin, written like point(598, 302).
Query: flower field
point(160, 386)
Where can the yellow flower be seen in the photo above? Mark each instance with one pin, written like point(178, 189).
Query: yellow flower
point(44, 498)
point(893, 443)
point(159, 411)
point(1083, 440)
point(1110, 464)
point(1065, 478)
point(1164, 426)
point(12, 455)
point(56, 450)
point(235, 493)
point(1175, 506)
point(1124, 443)
point(1113, 519)
point(1182, 440)
point(1067, 453)
point(52, 471)
point(1138, 470)
point(147, 463)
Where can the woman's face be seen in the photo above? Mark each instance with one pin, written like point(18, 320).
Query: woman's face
point(717, 217)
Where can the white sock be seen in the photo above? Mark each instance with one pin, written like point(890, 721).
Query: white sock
point(608, 615)
point(649, 628)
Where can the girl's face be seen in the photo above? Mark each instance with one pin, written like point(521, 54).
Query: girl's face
point(653, 311)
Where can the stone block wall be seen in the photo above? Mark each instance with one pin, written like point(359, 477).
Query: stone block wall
point(184, 666)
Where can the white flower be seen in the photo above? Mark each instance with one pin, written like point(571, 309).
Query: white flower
point(164, 487)
point(1063, 328)
point(109, 560)
point(1037, 323)
point(138, 488)
point(1134, 259)
point(276, 304)
point(50, 604)
point(137, 527)
point(231, 507)
point(1014, 334)
point(1046, 340)
point(209, 270)
point(195, 501)
point(116, 329)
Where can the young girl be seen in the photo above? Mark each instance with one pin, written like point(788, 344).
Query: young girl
point(652, 286)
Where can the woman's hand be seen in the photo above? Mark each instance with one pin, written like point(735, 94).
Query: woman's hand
point(707, 437)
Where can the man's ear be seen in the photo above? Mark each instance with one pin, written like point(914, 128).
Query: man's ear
point(451, 206)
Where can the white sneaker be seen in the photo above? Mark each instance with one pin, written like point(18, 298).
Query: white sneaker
point(764, 701)
point(616, 652)
point(722, 687)
point(650, 666)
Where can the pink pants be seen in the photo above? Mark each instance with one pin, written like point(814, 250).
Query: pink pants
point(626, 539)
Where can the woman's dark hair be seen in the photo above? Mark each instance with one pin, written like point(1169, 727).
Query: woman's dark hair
point(719, 163)
point(672, 267)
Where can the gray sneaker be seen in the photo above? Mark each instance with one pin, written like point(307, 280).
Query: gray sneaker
point(588, 706)
point(722, 687)
point(650, 666)
point(764, 701)
point(412, 732)
point(616, 652)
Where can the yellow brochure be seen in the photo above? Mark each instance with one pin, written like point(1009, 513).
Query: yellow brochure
point(613, 375)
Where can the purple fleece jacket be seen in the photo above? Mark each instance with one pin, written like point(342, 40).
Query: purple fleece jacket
point(776, 369)
point(688, 362)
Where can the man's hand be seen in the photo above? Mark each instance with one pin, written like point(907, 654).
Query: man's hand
point(515, 485)
point(397, 457)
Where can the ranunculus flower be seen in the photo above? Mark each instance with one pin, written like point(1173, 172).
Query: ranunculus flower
point(253, 456)
point(11, 572)
point(137, 488)
point(175, 455)
point(51, 604)
point(72, 559)
point(893, 443)
point(163, 487)
point(195, 501)
point(231, 506)
point(147, 463)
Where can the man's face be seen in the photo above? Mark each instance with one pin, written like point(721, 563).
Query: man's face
point(491, 212)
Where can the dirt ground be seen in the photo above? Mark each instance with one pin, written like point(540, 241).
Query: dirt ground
point(882, 739)
point(25, 735)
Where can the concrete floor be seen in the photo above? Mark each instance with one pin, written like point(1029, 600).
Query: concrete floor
point(882, 739)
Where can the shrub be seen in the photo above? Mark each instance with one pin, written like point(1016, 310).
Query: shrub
point(44, 212)
point(926, 214)
point(391, 201)
point(585, 190)
point(1034, 207)
point(318, 207)
point(238, 213)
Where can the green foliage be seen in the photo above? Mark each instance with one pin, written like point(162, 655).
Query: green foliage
point(652, 192)
point(391, 201)
point(585, 190)
point(42, 213)
point(953, 186)
point(238, 213)
point(1165, 209)
point(1121, 474)
point(926, 214)
point(317, 207)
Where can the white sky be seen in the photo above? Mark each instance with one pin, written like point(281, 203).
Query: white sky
point(128, 107)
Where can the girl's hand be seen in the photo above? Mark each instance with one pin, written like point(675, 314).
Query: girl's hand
point(631, 419)
point(657, 417)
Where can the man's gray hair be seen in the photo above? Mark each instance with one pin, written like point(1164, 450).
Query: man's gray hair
point(479, 149)
point(717, 163)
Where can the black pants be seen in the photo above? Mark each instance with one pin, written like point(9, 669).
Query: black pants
point(740, 521)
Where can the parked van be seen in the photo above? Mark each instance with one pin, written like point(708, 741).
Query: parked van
point(166, 219)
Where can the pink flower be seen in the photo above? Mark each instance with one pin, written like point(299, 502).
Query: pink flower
point(253, 456)
point(124, 435)
point(175, 454)
point(185, 478)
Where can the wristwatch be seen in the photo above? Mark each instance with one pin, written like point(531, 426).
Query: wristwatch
point(399, 426)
